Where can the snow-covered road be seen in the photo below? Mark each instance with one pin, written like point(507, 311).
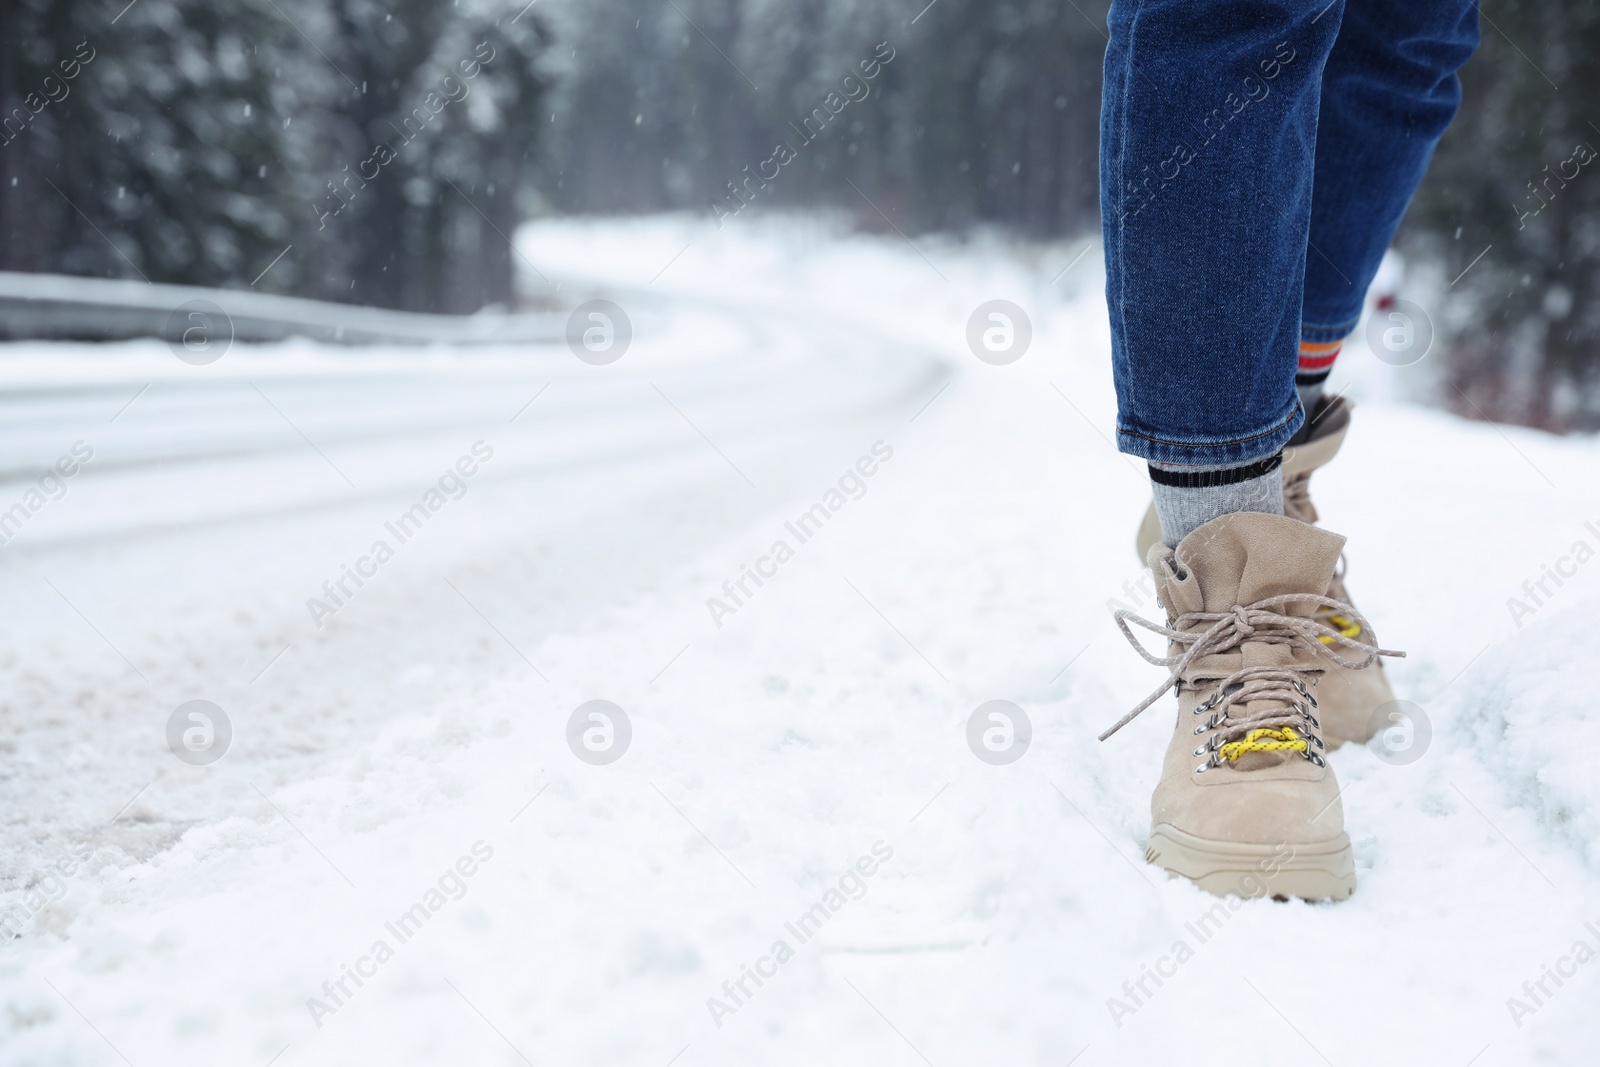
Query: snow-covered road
point(803, 744)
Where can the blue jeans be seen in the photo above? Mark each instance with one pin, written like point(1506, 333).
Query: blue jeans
point(1255, 159)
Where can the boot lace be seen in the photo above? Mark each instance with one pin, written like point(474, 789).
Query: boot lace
point(1284, 724)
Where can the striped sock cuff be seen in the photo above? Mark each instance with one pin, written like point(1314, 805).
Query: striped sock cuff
point(1316, 361)
point(1186, 499)
point(1182, 478)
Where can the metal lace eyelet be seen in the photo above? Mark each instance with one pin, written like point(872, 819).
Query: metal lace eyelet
point(1316, 760)
point(1210, 702)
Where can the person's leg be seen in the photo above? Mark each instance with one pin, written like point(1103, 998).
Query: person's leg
point(1208, 139)
point(1389, 89)
point(1206, 242)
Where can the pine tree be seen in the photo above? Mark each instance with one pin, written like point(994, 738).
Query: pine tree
point(1522, 333)
point(202, 142)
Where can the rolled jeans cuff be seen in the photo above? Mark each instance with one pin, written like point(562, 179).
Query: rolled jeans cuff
point(1314, 334)
point(1156, 447)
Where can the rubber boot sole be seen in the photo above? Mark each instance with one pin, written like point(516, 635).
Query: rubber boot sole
point(1322, 871)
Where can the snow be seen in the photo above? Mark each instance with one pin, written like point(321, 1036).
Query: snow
point(823, 719)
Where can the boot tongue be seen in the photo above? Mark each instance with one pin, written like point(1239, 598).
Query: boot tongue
point(1248, 556)
point(1241, 558)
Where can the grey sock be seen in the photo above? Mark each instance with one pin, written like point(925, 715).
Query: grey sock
point(1189, 497)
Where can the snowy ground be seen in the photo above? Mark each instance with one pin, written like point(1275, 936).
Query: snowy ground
point(821, 725)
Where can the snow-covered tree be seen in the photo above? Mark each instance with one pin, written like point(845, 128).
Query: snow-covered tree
point(1519, 175)
point(200, 141)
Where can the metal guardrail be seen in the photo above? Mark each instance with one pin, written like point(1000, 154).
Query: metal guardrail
point(62, 307)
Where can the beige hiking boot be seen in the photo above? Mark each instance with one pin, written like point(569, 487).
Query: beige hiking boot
point(1246, 804)
point(1349, 699)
